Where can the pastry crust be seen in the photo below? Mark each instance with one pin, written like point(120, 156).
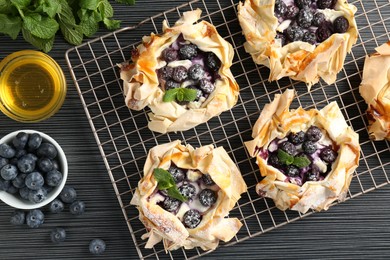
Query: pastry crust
point(276, 121)
point(165, 226)
point(141, 84)
point(299, 60)
point(375, 89)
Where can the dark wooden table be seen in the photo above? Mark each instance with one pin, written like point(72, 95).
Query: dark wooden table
point(358, 228)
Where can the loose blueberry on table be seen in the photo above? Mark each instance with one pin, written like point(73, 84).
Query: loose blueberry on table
point(302, 156)
point(304, 20)
point(189, 68)
point(27, 167)
point(199, 191)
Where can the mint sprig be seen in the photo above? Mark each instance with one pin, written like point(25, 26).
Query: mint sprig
point(166, 182)
point(287, 159)
point(180, 94)
point(39, 21)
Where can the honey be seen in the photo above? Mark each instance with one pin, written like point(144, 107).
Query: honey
point(32, 86)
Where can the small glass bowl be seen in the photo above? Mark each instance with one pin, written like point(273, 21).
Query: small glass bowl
point(32, 86)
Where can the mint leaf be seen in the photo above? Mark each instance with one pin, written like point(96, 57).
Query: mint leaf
point(129, 2)
point(72, 33)
point(89, 26)
point(89, 4)
point(111, 24)
point(180, 94)
point(51, 7)
point(164, 176)
point(105, 9)
point(284, 157)
point(189, 94)
point(43, 44)
point(170, 95)
point(301, 161)
point(21, 4)
point(6, 7)
point(40, 26)
point(174, 193)
point(10, 25)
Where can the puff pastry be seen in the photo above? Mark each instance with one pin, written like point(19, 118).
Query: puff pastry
point(375, 89)
point(303, 61)
point(144, 84)
point(204, 168)
point(327, 175)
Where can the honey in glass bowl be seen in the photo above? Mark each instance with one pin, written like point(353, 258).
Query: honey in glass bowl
point(32, 86)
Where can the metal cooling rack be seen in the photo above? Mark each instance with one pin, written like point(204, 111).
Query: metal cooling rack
point(124, 139)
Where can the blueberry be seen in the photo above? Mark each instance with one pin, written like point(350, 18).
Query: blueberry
point(4, 185)
point(328, 155)
point(47, 188)
point(32, 157)
point(77, 207)
point(170, 84)
point(310, 37)
point(35, 218)
point(45, 164)
point(20, 140)
point(20, 153)
point(207, 180)
point(323, 4)
point(12, 189)
point(312, 176)
point(171, 204)
point(303, 3)
point(13, 161)
point(282, 38)
point(318, 19)
point(26, 163)
point(199, 93)
point(53, 178)
point(68, 194)
point(180, 74)
point(57, 235)
point(187, 190)
point(177, 173)
point(97, 247)
point(274, 161)
point(34, 181)
point(9, 172)
point(340, 24)
point(188, 51)
point(313, 134)
point(206, 86)
point(291, 12)
point(192, 218)
point(294, 33)
point(305, 18)
point(296, 138)
point(170, 54)
point(24, 193)
point(56, 206)
point(19, 181)
point(207, 197)
point(34, 141)
point(165, 72)
point(37, 196)
point(288, 148)
point(6, 151)
point(212, 61)
point(56, 165)
point(309, 147)
point(323, 32)
point(292, 171)
point(47, 150)
point(3, 161)
point(18, 217)
point(280, 8)
point(196, 72)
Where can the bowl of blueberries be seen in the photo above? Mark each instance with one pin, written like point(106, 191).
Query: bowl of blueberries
point(33, 169)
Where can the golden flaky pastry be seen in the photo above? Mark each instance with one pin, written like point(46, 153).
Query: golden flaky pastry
point(276, 122)
point(299, 60)
point(375, 89)
point(141, 82)
point(194, 163)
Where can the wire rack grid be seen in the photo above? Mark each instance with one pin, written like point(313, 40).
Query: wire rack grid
point(124, 139)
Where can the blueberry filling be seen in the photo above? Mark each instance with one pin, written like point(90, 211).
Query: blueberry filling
point(304, 20)
point(302, 156)
point(188, 67)
point(199, 189)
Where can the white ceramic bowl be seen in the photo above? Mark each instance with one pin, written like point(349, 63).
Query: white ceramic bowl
point(15, 200)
